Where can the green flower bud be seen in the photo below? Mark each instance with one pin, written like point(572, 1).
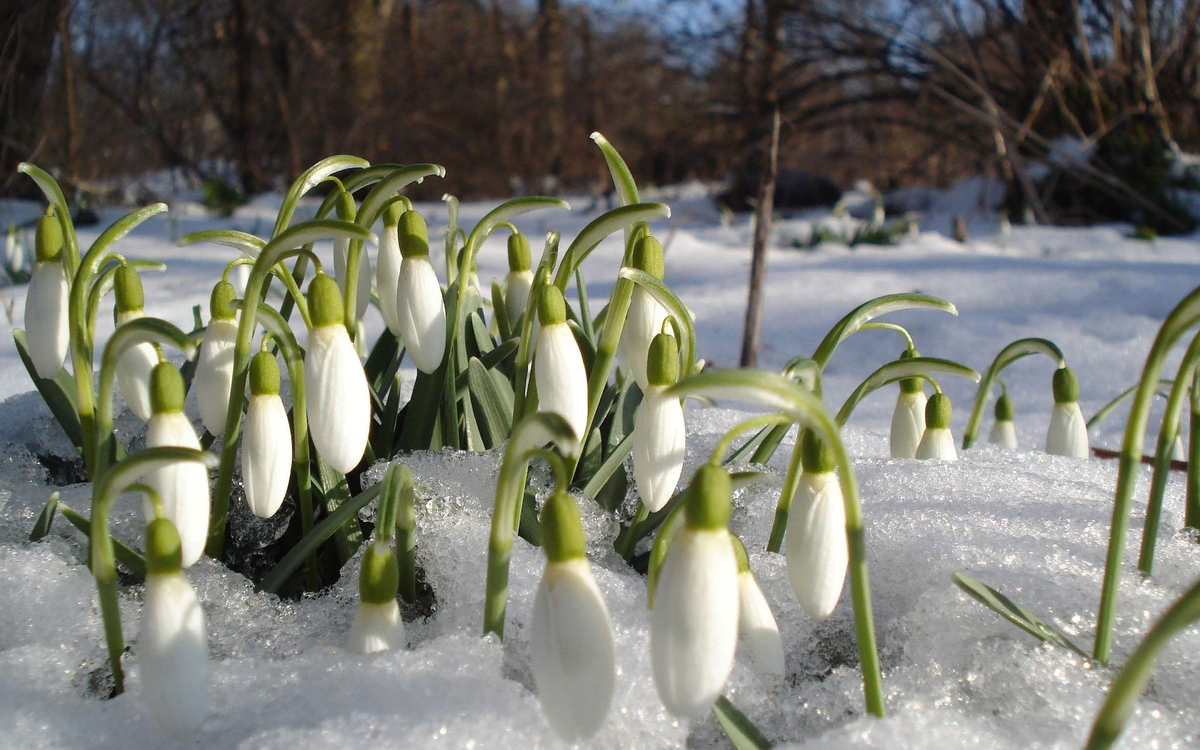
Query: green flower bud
point(709, 499)
point(414, 235)
point(1004, 409)
point(128, 286)
point(519, 258)
point(648, 257)
point(662, 362)
point(48, 241)
point(937, 412)
point(391, 214)
point(221, 301)
point(1066, 386)
point(815, 455)
point(344, 205)
point(325, 301)
point(552, 308)
point(164, 553)
point(562, 529)
point(264, 375)
point(379, 578)
point(911, 385)
point(166, 389)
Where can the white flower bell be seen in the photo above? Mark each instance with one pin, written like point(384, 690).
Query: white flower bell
point(183, 487)
point(908, 419)
point(694, 623)
point(1004, 433)
point(335, 387)
point(377, 624)
point(571, 635)
point(214, 367)
point(47, 301)
point(755, 620)
point(267, 439)
point(341, 253)
point(562, 382)
point(937, 442)
point(172, 645)
point(1067, 434)
point(137, 362)
point(387, 267)
point(519, 280)
point(815, 542)
point(645, 317)
point(420, 309)
point(659, 433)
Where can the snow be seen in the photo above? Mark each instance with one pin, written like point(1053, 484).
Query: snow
point(955, 674)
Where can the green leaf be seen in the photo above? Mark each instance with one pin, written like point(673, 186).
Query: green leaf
point(627, 189)
point(1015, 613)
point(490, 361)
point(899, 370)
point(607, 469)
point(422, 410)
point(740, 730)
point(54, 196)
point(381, 359)
point(126, 555)
point(124, 226)
point(674, 307)
point(599, 228)
point(244, 241)
point(1016, 350)
point(494, 398)
point(389, 186)
point(853, 321)
point(41, 527)
point(336, 492)
point(585, 314)
point(58, 392)
point(312, 177)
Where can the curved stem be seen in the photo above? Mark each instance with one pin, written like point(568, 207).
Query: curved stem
point(1191, 516)
point(104, 284)
point(913, 367)
point(1124, 395)
point(881, 326)
point(1009, 354)
point(753, 423)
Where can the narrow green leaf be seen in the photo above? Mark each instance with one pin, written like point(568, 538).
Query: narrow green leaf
point(421, 411)
point(335, 492)
point(585, 314)
point(312, 177)
point(606, 470)
point(740, 730)
point(490, 361)
point(126, 555)
point(1016, 350)
point(58, 392)
point(389, 186)
point(494, 403)
point(1100, 416)
point(627, 189)
point(599, 228)
point(899, 370)
point(45, 519)
point(1015, 613)
point(853, 321)
point(244, 241)
point(675, 307)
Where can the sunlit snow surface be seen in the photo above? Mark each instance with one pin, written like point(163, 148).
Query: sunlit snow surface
point(955, 675)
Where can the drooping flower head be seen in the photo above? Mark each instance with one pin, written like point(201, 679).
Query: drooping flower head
point(267, 441)
point(519, 279)
point(46, 303)
point(183, 487)
point(558, 365)
point(937, 442)
point(908, 419)
point(172, 647)
point(1067, 434)
point(571, 637)
point(694, 623)
point(755, 620)
point(136, 363)
point(815, 542)
point(341, 252)
point(659, 433)
point(377, 624)
point(645, 317)
point(335, 386)
point(420, 309)
point(1004, 433)
point(214, 368)
point(387, 269)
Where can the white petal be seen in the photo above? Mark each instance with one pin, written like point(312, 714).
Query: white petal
point(183, 487)
point(341, 251)
point(133, 371)
point(937, 443)
point(815, 544)
point(516, 294)
point(908, 424)
point(46, 320)
point(421, 313)
point(756, 622)
point(377, 627)
point(387, 276)
point(1067, 434)
point(172, 652)
point(214, 373)
point(337, 397)
point(561, 378)
point(658, 447)
point(571, 650)
point(694, 623)
point(239, 277)
point(266, 454)
point(1004, 433)
point(643, 322)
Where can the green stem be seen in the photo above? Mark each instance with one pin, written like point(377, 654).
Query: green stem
point(1124, 395)
point(406, 531)
point(1183, 317)
point(1191, 517)
point(1009, 354)
point(913, 367)
point(881, 326)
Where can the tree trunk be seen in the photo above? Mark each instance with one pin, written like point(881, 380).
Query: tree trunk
point(25, 56)
point(752, 332)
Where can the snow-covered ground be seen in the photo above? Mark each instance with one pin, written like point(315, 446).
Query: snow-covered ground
point(955, 675)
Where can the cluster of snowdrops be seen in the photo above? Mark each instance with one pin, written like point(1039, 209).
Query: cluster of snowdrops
point(520, 370)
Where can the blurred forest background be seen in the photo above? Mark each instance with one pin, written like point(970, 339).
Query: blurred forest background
point(244, 94)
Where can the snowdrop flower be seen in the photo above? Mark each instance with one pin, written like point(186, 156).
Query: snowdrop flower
point(341, 252)
point(908, 419)
point(46, 303)
point(172, 646)
point(562, 383)
point(937, 442)
point(335, 386)
point(815, 542)
point(755, 620)
point(1003, 432)
point(377, 625)
point(694, 623)
point(387, 267)
point(420, 309)
point(1067, 435)
point(645, 317)
point(571, 636)
point(519, 279)
point(135, 365)
point(267, 442)
point(214, 368)
point(183, 487)
point(658, 429)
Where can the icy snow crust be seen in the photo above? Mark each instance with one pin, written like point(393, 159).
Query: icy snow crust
point(955, 675)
